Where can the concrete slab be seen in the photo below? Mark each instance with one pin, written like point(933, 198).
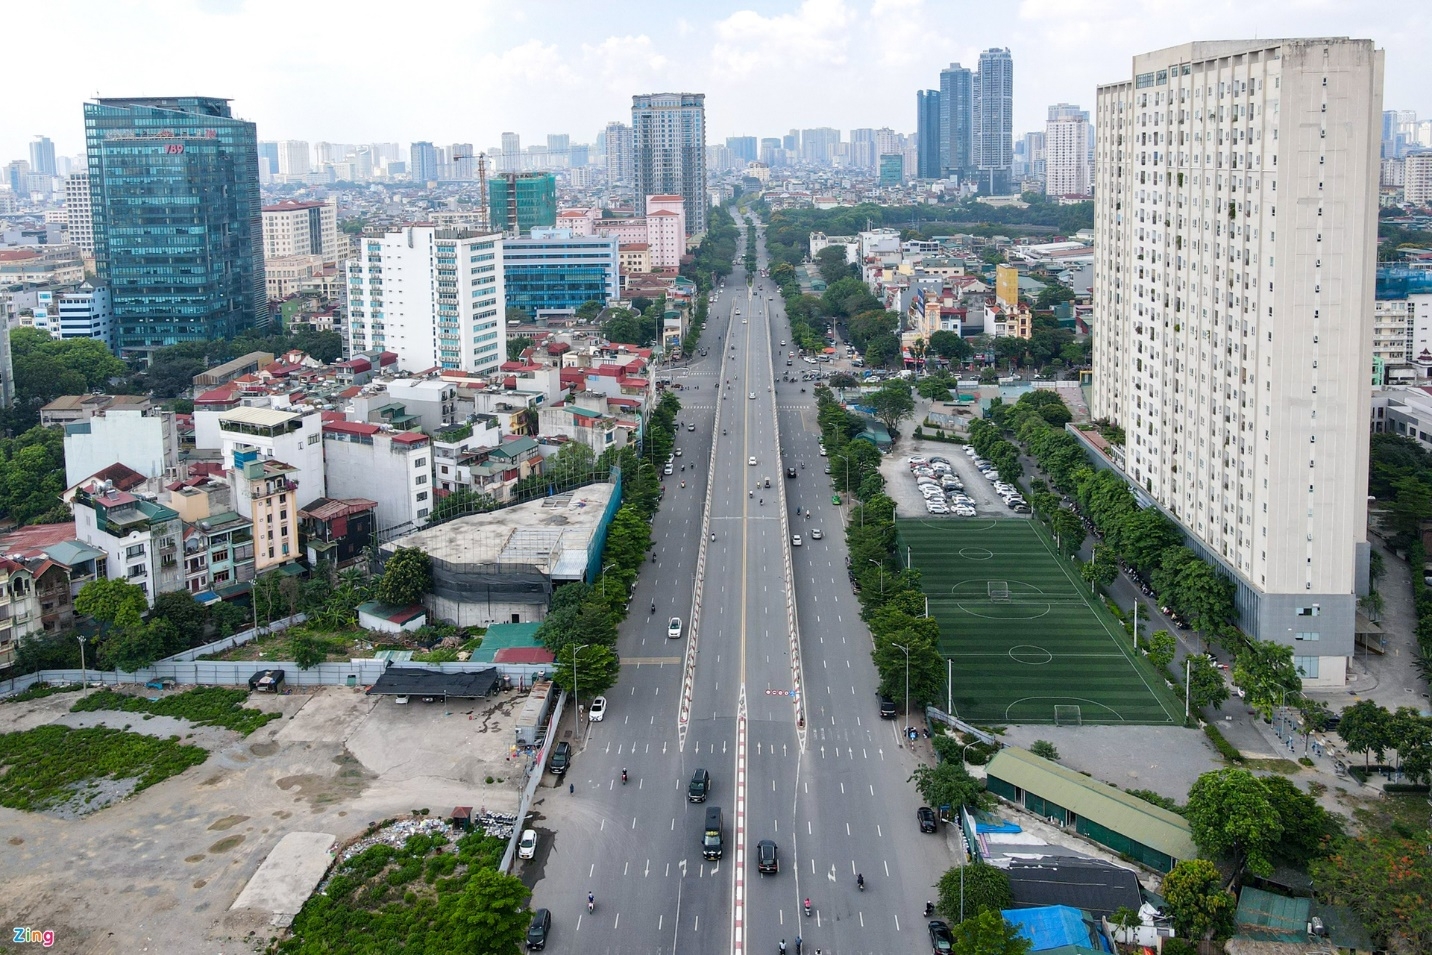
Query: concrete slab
point(288, 876)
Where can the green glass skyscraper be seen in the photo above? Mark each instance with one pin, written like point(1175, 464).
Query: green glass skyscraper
point(517, 202)
point(178, 231)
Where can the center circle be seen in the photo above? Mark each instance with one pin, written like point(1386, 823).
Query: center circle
point(975, 553)
point(1030, 654)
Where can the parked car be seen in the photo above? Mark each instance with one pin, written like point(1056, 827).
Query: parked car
point(941, 941)
point(561, 759)
point(926, 817)
point(537, 931)
point(598, 711)
point(527, 845)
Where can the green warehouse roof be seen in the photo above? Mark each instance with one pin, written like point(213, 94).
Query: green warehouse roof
point(1157, 828)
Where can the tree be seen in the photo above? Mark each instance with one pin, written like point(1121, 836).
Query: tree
point(988, 934)
point(1232, 817)
point(1162, 647)
point(490, 914)
point(308, 652)
point(1125, 920)
point(1386, 877)
point(185, 613)
point(892, 405)
point(1044, 749)
point(1200, 905)
point(1068, 531)
point(32, 476)
point(135, 647)
point(830, 262)
point(597, 670)
point(971, 890)
point(1411, 505)
point(882, 351)
point(113, 603)
point(1206, 686)
point(1102, 569)
point(950, 346)
point(463, 501)
point(949, 784)
point(589, 310)
point(1267, 675)
point(48, 651)
point(1308, 828)
point(927, 667)
point(407, 575)
point(1366, 728)
point(517, 345)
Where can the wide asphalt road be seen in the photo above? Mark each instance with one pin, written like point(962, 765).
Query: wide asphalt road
point(832, 793)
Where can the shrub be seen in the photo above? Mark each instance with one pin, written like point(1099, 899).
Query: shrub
point(1044, 749)
point(1225, 748)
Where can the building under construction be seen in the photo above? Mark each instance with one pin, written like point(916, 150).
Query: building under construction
point(502, 566)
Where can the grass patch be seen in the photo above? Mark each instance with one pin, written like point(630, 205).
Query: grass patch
point(1285, 766)
point(338, 645)
point(41, 690)
point(48, 765)
point(204, 706)
point(393, 898)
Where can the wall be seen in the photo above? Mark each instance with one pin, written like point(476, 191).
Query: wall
point(128, 437)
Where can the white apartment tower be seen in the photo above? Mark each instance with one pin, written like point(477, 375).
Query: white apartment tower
point(1417, 179)
point(1235, 238)
point(78, 217)
point(301, 228)
point(434, 297)
point(1066, 152)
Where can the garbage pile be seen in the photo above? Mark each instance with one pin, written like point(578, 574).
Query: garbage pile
point(397, 834)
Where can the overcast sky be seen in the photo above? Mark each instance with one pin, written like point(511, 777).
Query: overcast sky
point(466, 70)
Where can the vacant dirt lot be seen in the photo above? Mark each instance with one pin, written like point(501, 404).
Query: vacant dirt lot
point(160, 871)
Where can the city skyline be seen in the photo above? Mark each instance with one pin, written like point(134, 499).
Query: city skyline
point(573, 73)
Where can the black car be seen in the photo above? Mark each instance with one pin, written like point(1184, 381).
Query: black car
point(767, 858)
point(537, 931)
point(926, 815)
point(561, 759)
point(887, 705)
point(790, 472)
point(941, 941)
point(700, 786)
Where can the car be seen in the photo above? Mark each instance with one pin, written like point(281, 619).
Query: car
point(783, 343)
point(673, 628)
point(691, 427)
point(790, 472)
point(926, 817)
point(887, 708)
point(752, 396)
point(527, 845)
point(537, 931)
point(768, 859)
point(941, 941)
point(816, 535)
point(561, 759)
point(400, 700)
point(598, 712)
point(743, 321)
point(677, 452)
point(700, 786)
point(822, 452)
point(827, 469)
point(666, 470)
point(751, 460)
point(795, 540)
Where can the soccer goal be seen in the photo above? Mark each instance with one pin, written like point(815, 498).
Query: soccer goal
point(998, 590)
point(1067, 715)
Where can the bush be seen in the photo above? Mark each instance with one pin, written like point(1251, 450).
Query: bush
point(1225, 748)
point(39, 691)
point(1044, 749)
point(1413, 789)
point(203, 706)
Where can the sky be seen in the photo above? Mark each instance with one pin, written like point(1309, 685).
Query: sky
point(467, 70)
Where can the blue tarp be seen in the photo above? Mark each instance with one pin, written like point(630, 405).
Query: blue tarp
point(1055, 926)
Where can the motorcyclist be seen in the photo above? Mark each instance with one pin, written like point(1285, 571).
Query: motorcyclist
point(653, 606)
point(624, 777)
point(859, 878)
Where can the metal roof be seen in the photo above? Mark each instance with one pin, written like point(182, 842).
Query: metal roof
point(1157, 828)
point(264, 417)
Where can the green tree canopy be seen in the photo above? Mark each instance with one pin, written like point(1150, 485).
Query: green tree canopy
point(1366, 727)
point(973, 889)
point(1233, 818)
point(949, 784)
point(489, 915)
point(1200, 905)
point(1266, 673)
point(892, 404)
point(597, 670)
point(988, 934)
point(950, 346)
point(407, 576)
point(113, 603)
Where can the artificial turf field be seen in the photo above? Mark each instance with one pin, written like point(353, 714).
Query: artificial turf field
point(1023, 631)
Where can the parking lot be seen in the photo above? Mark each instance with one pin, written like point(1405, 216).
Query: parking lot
point(160, 871)
point(909, 502)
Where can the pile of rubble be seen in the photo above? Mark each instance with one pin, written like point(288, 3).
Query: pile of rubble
point(396, 834)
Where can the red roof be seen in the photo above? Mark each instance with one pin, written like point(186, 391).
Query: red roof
point(29, 541)
point(623, 402)
point(328, 416)
point(352, 392)
point(512, 365)
point(219, 396)
point(17, 255)
point(410, 437)
point(350, 427)
point(662, 212)
point(633, 382)
point(666, 198)
point(538, 655)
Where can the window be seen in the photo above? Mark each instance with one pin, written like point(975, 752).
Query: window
point(422, 495)
point(1307, 666)
point(1312, 611)
point(133, 551)
point(421, 479)
point(420, 462)
point(1306, 635)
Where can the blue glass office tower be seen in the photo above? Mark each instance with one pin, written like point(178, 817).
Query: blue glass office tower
point(178, 231)
point(555, 271)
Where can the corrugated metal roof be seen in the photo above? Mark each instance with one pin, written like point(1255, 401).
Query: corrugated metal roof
point(1157, 828)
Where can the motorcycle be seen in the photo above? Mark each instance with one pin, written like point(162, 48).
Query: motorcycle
point(807, 908)
point(624, 780)
point(859, 879)
point(683, 483)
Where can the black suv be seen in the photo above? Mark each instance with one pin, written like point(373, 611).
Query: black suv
point(767, 858)
point(561, 759)
point(887, 708)
point(926, 816)
point(537, 931)
point(700, 786)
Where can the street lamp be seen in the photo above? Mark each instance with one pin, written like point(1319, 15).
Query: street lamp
point(965, 751)
point(575, 695)
point(84, 674)
point(907, 684)
point(882, 574)
point(604, 577)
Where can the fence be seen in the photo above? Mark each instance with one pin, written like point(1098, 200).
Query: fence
point(236, 640)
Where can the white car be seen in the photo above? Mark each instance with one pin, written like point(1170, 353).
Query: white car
point(598, 710)
point(673, 629)
point(677, 453)
point(816, 535)
point(795, 540)
point(963, 510)
point(822, 451)
point(752, 396)
point(527, 846)
point(743, 321)
point(666, 470)
point(751, 461)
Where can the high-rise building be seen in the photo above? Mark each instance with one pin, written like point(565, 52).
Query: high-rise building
point(994, 121)
point(520, 202)
point(578, 155)
point(1066, 151)
point(178, 233)
point(770, 150)
point(78, 217)
point(957, 121)
point(1417, 179)
point(616, 141)
point(817, 145)
point(433, 297)
point(863, 154)
point(556, 271)
point(301, 228)
point(268, 159)
point(1233, 345)
point(42, 156)
point(559, 148)
point(1035, 155)
point(511, 153)
point(892, 169)
point(293, 159)
point(929, 134)
point(743, 148)
point(669, 150)
point(422, 162)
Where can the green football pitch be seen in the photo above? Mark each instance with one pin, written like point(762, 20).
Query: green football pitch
point(1028, 641)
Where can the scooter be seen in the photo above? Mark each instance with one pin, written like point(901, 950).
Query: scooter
point(624, 781)
point(859, 879)
point(807, 908)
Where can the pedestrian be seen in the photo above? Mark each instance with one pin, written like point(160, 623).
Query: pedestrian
point(798, 945)
point(571, 789)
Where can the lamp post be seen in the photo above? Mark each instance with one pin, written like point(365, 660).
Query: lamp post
point(882, 574)
point(604, 577)
point(576, 695)
point(84, 674)
point(907, 683)
point(964, 752)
